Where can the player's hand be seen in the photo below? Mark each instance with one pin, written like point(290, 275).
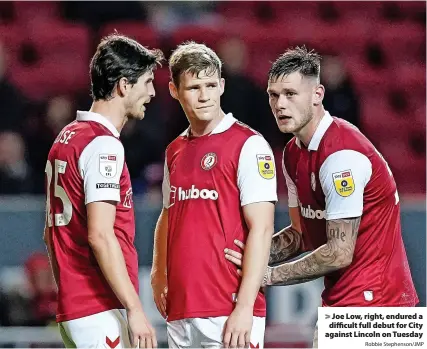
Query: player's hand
point(160, 293)
point(238, 327)
point(234, 256)
point(143, 334)
point(237, 258)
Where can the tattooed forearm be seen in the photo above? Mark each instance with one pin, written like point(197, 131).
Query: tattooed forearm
point(284, 245)
point(302, 270)
point(337, 253)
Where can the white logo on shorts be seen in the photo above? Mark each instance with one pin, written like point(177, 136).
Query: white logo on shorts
point(369, 295)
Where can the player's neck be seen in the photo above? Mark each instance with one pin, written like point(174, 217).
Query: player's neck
point(307, 132)
point(109, 111)
point(200, 128)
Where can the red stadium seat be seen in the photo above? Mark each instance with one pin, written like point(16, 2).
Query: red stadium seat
point(280, 11)
point(7, 11)
point(209, 36)
point(419, 183)
point(367, 79)
point(235, 9)
point(264, 46)
point(36, 10)
point(352, 9)
point(294, 9)
point(11, 38)
point(161, 81)
point(412, 7)
point(379, 120)
point(346, 37)
point(49, 78)
point(60, 41)
point(32, 81)
point(411, 78)
point(418, 108)
point(139, 31)
point(11, 35)
point(63, 66)
point(342, 38)
point(292, 31)
point(401, 42)
point(408, 169)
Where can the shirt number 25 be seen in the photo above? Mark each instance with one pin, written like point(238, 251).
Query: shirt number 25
point(60, 219)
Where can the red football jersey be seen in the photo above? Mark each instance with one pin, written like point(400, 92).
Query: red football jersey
point(207, 181)
point(341, 175)
point(86, 164)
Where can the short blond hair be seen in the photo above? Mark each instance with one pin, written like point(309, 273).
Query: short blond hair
point(191, 57)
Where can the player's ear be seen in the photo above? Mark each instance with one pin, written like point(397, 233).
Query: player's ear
point(173, 90)
point(221, 85)
point(319, 93)
point(123, 87)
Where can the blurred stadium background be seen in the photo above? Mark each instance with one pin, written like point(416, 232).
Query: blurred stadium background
point(373, 69)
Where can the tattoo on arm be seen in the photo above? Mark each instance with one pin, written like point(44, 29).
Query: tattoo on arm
point(337, 253)
point(284, 245)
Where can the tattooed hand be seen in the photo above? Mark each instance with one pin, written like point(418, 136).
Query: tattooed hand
point(267, 277)
point(285, 244)
point(337, 253)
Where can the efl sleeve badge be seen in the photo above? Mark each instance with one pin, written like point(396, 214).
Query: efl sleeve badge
point(343, 183)
point(266, 166)
point(108, 165)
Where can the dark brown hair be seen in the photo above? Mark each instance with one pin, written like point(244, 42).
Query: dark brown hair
point(116, 57)
point(298, 59)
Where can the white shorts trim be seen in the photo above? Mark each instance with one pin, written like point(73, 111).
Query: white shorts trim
point(102, 330)
point(207, 332)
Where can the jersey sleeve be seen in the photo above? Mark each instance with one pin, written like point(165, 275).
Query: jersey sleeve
point(256, 173)
point(343, 177)
point(101, 165)
point(166, 187)
point(292, 189)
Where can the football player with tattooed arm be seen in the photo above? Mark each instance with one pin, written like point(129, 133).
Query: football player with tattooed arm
point(343, 202)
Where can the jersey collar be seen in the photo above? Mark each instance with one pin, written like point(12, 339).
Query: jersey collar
point(323, 126)
point(90, 116)
point(223, 126)
point(320, 131)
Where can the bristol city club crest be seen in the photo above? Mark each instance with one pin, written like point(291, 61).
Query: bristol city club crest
point(208, 161)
